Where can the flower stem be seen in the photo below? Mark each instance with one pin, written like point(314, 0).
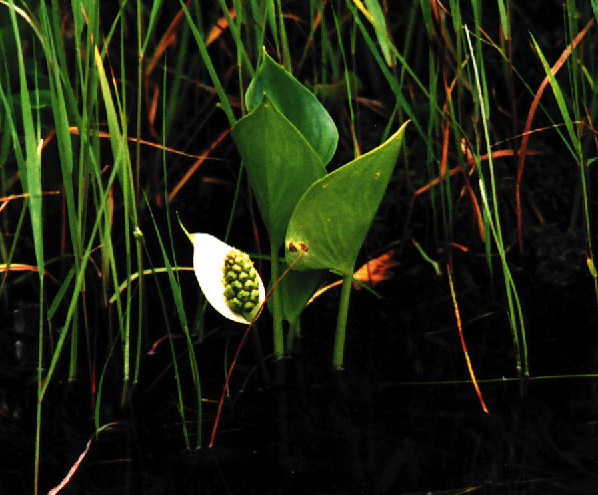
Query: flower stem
point(341, 323)
point(276, 304)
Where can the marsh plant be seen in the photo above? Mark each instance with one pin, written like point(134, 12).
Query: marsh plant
point(285, 141)
point(322, 218)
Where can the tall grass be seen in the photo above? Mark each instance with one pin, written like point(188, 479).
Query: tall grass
point(90, 144)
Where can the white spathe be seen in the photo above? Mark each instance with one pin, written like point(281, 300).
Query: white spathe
point(209, 254)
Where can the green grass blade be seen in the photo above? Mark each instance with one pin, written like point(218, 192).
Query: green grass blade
point(33, 186)
point(504, 22)
point(78, 284)
point(177, 377)
point(379, 22)
point(237, 38)
point(61, 292)
point(387, 74)
point(558, 94)
point(178, 300)
point(153, 17)
point(491, 214)
point(210, 67)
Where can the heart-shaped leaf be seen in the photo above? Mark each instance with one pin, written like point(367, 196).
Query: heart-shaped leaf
point(332, 218)
point(281, 165)
point(296, 103)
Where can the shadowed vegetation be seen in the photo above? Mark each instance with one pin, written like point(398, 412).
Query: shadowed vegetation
point(431, 162)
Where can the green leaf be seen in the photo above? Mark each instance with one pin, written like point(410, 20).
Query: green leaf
point(296, 289)
point(333, 217)
point(280, 164)
point(379, 22)
point(296, 103)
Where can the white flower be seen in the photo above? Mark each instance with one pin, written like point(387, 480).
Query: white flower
point(227, 278)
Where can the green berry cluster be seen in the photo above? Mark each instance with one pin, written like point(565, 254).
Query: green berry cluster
point(241, 284)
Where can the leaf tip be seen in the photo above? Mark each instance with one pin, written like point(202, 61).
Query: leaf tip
point(189, 236)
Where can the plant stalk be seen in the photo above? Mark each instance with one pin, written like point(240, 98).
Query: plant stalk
point(276, 304)
point(341, 323)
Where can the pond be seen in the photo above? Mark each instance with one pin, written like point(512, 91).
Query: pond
point(402, 418)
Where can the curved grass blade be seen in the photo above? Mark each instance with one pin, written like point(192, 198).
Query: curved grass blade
point(178, 300)
point(210, 67)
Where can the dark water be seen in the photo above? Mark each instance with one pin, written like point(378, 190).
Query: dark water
point(373, 428)
point(400, 418)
